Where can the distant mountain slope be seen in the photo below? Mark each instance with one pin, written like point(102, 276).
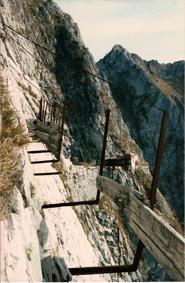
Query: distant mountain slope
point(138, 87)
point(173, 73)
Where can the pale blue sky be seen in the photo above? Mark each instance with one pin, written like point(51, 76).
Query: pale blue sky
point(153, 29)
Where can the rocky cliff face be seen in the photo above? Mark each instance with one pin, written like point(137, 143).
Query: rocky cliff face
point(63, 72)
point(59, 70)
point(138, 87)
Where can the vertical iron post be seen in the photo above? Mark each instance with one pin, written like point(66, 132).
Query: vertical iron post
point(107, 117)
point(158, 158)
point(61, 131)
point(138, 255)
point(58, 118)
point(45, 112)
point(52, 109)
point(43, 109)
point(54, 113)
point(46, 116)
point(49, 112)
point(40, 110)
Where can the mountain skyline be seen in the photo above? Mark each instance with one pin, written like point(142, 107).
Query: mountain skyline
point(153, 29)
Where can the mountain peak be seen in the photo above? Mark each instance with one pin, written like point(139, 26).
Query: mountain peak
point(123, 59)
point(118, 48)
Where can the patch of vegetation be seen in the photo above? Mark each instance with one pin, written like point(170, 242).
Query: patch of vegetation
point(105, 205)
point(165, 87)
point(125, 144)
point(29, 253)
point(86, 164)
point(12, 138)
point(82, 220)
point(144, 179)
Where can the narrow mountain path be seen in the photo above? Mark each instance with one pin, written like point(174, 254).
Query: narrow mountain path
point(61, 232)
point(66, 237)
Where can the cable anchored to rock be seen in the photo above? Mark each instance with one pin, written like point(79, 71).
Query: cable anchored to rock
point(56, 55)
point(27, 38)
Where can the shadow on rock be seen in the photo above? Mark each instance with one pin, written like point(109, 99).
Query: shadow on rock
point(54, 269)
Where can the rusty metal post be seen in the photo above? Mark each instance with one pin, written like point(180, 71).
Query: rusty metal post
point(107, 117)
point(138, 255)
point(158, 158)
point(46, 116)
point(61, 131)
point(51, 114)
point(59, 119)
point(43, 107)
point(44, 111)
point(40, 110)
point(54, 113)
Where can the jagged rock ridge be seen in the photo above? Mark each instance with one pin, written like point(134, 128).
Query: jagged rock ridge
point(138, 87)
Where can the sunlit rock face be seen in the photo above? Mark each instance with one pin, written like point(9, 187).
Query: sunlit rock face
point(88, 235)
point(139, 88)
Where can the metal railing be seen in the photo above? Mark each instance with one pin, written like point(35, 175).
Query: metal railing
point(95, 201)
point(140, 246)
point(51, 113)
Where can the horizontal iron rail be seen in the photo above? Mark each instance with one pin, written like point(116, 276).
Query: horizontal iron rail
point(75, 203)
point(45, 161)
point(100, 269)
point(38, 151)
point(120, 162)
point(111, 269)
point(47, 173)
